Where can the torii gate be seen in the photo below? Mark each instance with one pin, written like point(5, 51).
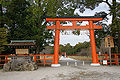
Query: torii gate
point(74, 20)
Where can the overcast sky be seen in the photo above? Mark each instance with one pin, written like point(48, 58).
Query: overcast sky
point(74, 39)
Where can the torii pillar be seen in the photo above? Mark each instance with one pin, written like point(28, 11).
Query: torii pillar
point(56, 46)
point(93, 45)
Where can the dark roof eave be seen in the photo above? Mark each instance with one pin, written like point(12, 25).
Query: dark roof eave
point(23, 41)
point(19, 45)
point(102, 16)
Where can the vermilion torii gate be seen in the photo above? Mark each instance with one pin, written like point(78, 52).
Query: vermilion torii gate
point(74, 20)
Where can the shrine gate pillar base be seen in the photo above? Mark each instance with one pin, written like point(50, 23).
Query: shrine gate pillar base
point(93, 46)
point(56, 46)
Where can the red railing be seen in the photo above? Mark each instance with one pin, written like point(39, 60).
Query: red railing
point(115, 57)
point(39, 59)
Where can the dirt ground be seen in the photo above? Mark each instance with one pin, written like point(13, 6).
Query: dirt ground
point(85, 72)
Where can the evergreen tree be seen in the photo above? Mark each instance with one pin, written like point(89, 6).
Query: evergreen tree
point(3, 39)
point(112, 29)
point(26, 19)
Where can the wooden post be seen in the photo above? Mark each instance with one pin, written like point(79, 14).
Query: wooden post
point(117, 60)
point(100, 57)
point(106, 59)
point(34, 58)
point(93, 45)
point(56, 45)
point(109, 51)
point(6, 59)
point(44, 60)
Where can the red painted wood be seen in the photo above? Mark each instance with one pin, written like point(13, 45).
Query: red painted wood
point(73, 19)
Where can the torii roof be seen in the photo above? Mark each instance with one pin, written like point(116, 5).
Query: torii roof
point(100, 16)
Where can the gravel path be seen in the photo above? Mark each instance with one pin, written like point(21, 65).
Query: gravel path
point(86, 72)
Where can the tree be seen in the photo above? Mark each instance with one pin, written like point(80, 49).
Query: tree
point(3, 39)
point(61, 48)
point(25, 17)
point(114, 12)
point(3, 18)
point(78, 47)
point(100, 34)
point(67, 48)
point(27, 21)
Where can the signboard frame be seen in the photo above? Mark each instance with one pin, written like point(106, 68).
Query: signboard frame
point(22, 51)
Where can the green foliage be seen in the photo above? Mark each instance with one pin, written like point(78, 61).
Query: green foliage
point(79, 46)
point(71, 50)
point(100, 34)
point(67, 48)
point(3, 38)
point(24, 19)
point(61, 48)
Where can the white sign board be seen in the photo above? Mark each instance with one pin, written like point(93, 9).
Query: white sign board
point(104, 61)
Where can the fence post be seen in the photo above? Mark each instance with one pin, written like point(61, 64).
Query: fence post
point(5, 59)
point(34, 58)
point(117, 60)
point(106, 58)
point(110, 55)
point(99, 57)
point(44, 60)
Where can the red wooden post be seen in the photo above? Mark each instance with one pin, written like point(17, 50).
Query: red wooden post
point(56, 44)
point(34, 58)
point(5, 59)
point(106, 58)
point(93, 45)
point(97, 58)
point(116, 59)
point(44, 60)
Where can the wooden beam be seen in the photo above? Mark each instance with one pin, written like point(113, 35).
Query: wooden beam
point(74, 19)
point(76, 27)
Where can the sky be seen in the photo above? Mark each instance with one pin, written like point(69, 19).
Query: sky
point(74, 39)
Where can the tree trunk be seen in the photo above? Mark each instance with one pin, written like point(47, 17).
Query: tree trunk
point(113, 10)
point(1, 15)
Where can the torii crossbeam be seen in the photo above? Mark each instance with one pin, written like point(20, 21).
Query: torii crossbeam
point(74, 20)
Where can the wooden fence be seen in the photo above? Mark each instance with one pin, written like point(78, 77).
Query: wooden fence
point(115, 58)
point(49, 59)
point(39, 59)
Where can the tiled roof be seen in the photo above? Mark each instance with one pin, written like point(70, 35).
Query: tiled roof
point(22, 43)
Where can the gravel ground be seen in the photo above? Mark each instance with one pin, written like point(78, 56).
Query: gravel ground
point(85, 72)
